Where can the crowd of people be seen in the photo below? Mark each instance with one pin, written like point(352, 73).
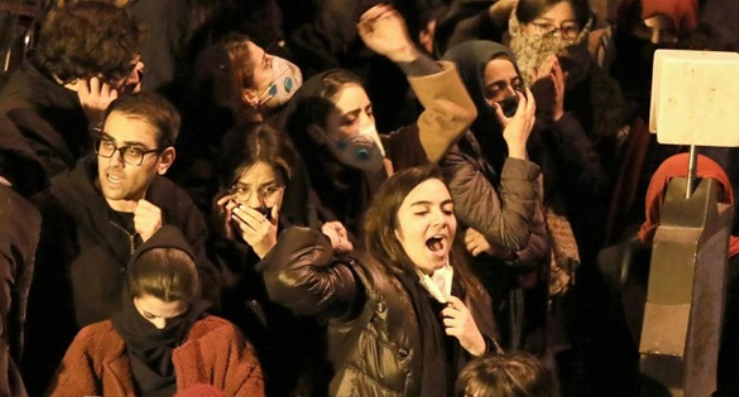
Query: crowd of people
point(413, 198)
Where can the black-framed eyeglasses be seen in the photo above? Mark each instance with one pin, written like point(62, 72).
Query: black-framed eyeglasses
point(131, 155)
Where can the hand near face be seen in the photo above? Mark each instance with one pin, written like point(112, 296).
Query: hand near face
point(224, 208)
point(383, 30)
point(258, 231)
point(476, 243)
point(147, 219)
point(517, 129)
point(338, 235)
point(459, 323)
point(549, 88)
point(559, 79)
point(95, 96)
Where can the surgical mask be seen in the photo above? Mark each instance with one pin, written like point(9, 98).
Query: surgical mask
point(286, 81)
point(439, 284)
point(363, 149)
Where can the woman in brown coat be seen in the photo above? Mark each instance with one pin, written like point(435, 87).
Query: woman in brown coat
point(161, 342)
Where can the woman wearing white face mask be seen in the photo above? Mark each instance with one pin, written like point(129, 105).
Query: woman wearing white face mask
point(333, 125)
point(405, 317)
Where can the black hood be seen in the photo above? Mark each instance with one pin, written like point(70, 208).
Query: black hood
point(166, 237)
point(471, 57)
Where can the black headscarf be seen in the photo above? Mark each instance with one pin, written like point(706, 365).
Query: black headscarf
point(471, 58)
point(149, 348)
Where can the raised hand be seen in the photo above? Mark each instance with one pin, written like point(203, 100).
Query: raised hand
point(383, 30)
point(476, 243)
point(517, 129)
point(95, 96)
point(147, 219)
point(460, 324)
point(559, 79)
point(224, 208)
point(338, 235)
point(549, 89)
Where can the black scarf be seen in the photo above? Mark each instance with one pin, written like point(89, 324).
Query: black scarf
point(438, 352)
point(150, 349)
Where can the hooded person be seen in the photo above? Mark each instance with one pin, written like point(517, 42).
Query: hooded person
point(332, 123)
point(161, 341)
point(494, 185)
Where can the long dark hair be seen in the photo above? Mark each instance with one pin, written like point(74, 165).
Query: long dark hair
point(528, 10)
point(381, 222)
point(250, 143)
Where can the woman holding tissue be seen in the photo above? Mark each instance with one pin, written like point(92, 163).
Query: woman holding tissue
point(405, 316)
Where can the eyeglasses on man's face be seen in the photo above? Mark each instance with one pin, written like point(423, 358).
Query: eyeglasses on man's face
point(266, 194)
point(568, 30)
point(131, 155)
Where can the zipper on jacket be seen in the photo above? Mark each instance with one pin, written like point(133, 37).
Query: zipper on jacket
point(131, 237)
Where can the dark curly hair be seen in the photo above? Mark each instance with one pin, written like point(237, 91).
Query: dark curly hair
point(89, 39)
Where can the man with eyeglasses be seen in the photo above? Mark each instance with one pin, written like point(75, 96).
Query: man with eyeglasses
point(96, 215)
point(86, 55)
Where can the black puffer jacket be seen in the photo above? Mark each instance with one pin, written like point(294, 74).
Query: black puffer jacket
point(374, 338)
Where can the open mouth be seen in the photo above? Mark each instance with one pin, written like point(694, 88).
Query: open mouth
point(436, 243)
point(114, 180)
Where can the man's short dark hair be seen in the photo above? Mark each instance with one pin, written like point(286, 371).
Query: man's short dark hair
point(88, 39)
point(152, 108)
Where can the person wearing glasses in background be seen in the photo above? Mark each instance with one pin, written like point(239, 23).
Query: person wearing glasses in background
point(550, 41)
point(263, 189)
point(96, 216)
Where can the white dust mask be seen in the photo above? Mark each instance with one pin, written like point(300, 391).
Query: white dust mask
point(363, 149)
point(287, 78)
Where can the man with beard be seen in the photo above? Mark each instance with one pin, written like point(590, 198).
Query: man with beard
point(87, 54)
point(95, 216)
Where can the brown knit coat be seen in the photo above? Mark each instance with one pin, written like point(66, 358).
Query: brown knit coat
point(214, 353)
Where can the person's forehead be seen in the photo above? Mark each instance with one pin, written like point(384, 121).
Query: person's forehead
point(255, 52)
point(431, 190)
point(500, 68)
point(129, 128)
point(351, 97)
point(159, 307)
point(559, 12)
point(257, 173)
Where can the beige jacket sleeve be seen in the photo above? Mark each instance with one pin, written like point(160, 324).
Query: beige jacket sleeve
point(448, 110)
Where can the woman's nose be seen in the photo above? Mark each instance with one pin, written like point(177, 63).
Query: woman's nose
point(160, 323)
point(438, 218)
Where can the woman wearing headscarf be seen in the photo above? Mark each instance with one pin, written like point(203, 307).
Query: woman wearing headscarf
point(486, 156)
point(495, 186)
point(161, 341)
point(331, 120)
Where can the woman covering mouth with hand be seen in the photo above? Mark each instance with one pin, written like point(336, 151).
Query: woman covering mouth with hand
point(405, 316)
